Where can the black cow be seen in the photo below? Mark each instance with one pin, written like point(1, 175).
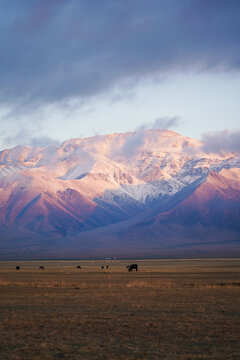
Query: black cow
point(102, 267)
point(17, 267)
point(78, 267)
point(132, 267)
point(41, 267)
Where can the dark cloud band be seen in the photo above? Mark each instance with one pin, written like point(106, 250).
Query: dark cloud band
point(55, 50)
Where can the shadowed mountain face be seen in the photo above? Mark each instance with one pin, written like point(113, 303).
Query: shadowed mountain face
point(152, 193)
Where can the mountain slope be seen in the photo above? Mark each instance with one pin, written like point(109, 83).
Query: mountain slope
point(214, 203)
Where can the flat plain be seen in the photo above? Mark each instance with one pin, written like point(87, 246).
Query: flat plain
point(169, 309)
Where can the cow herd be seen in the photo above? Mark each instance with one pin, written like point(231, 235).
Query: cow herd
point(129, 267)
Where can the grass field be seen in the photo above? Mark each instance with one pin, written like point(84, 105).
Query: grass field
point(169, 309)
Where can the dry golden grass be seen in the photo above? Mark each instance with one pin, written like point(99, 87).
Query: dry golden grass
point(170, 309)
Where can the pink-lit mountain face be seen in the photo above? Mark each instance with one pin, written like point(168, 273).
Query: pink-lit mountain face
point(148, 193)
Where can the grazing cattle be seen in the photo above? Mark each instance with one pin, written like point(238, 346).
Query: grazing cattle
point(132, 267)
point(17, 267)
point(102, 267)
point(107, 267)
point(78, 267)
point(41, 267)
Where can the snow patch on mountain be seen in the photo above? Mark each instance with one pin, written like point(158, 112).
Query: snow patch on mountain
point(6, 170)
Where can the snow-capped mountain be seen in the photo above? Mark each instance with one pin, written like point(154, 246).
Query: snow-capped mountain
point(116, 187)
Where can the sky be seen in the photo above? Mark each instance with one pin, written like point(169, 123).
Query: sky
point(78, 68)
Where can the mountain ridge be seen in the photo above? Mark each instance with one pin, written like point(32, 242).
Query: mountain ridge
point(60, 194)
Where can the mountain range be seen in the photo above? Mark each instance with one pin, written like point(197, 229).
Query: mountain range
point(151, 193)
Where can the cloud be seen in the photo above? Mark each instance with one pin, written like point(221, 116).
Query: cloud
point(136, 140)
point(24, 137)
point(221, 142)
point(133, 143)
point(161, 123)
point(56, 50)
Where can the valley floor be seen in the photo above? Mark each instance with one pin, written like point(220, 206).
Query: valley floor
point(169, 309)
